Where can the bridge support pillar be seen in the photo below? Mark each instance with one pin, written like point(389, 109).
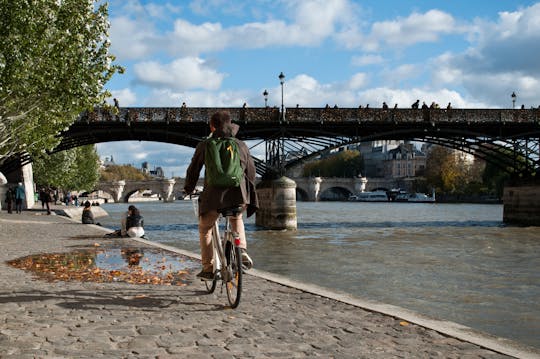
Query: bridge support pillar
point(314, 189)
point(117, 191)
point(360, 184)
point(167, 187)
point(522, 205)
point(277, 204)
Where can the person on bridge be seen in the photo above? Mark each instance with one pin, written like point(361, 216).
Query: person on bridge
point(213, 198)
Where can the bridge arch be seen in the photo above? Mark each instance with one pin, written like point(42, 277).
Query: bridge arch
point(307, 132)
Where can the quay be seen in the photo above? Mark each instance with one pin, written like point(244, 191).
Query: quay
point(277, 317)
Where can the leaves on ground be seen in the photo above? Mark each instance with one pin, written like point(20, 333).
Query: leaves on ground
point(82, 266)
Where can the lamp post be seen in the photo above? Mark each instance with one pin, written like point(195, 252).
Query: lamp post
point(513, 95)
point(282, 81)
point(265, 94)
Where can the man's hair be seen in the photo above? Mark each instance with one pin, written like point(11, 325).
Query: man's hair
point(220, 119)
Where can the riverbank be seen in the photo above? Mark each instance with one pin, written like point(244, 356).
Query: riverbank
point(277, 317)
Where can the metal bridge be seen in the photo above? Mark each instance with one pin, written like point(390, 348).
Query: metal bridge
point(508, 138)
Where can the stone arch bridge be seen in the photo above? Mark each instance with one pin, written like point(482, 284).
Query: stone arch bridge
point(309, 189)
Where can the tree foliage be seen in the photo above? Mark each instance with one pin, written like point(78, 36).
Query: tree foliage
point(494, 177)
point(122, 172)
point(54, 62)
point(344, 164)
point(449, 173)
point(73, 169)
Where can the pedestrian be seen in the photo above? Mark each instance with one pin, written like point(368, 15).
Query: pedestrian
point(19, 197)
point(47, 198)
point(42, 197)
point(214, 198)
point(10, 197)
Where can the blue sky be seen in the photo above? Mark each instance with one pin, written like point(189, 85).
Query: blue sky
point(224, 53)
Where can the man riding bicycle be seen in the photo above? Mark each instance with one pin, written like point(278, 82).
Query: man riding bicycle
point(215, 198)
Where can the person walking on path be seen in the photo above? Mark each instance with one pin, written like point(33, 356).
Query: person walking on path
point(10, 196)
point(45, 198)
point(214, 198)
point(19, 197)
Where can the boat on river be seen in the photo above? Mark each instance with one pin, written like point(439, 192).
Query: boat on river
point(377, 196)
point(415, 197)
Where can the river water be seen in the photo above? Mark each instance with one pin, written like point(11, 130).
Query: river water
point(454, 262)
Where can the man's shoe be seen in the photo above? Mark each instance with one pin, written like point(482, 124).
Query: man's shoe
point(246, 260)
point(205, 275)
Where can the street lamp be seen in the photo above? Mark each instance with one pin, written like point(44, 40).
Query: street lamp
point(282, 81)
point(265, 94)
point(513, 99)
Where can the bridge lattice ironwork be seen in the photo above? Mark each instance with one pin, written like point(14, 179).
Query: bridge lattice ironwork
point(508, 138)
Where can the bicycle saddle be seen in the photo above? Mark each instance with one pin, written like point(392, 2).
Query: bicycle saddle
point(230, 211)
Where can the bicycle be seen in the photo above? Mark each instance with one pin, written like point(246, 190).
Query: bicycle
point(227, 265)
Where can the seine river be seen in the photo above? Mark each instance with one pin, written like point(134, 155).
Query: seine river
point(454, 262)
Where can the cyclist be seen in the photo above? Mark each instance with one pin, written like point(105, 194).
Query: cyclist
point(213, 199)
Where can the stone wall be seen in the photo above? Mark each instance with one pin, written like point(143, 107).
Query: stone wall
point(522, 205)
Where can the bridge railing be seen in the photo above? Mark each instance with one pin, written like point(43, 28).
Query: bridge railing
point(306, 114)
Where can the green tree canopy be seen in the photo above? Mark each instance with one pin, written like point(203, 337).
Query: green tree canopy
point(122, 172)
point(343, 164)
point(54, 62)
point(73, 169)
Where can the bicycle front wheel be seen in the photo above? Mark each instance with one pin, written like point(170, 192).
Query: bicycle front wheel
point(210, 285)
point(234, 282)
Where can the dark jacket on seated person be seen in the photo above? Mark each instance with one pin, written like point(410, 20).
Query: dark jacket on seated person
point(87, 216)
point(134, 220)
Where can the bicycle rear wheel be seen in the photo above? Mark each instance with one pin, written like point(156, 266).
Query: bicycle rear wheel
point(234, 267)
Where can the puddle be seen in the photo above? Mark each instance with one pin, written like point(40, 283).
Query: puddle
point(127, 264)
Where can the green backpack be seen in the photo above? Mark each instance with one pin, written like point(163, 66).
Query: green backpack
point(222, 162)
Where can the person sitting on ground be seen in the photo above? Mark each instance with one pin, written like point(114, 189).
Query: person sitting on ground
point(87, 215)
point(133, 226)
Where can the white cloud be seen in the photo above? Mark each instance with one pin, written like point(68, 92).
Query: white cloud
point(126, 97)
point(415, 28)
point(364, 60)
point(131, 39)
point(502, 59)
point(181, 74)
point(358, 81)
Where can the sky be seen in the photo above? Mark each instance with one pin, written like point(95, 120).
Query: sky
point(224, 53)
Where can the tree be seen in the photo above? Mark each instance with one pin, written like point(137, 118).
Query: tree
point(344, 164)
point(122, 172)
point(442, 169)
point(76, 168)
point(54, 62)
point(449, 172)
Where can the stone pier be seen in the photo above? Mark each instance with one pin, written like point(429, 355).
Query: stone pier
point(522, 204)
point(277, 204)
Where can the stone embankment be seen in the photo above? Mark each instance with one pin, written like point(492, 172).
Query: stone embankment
point(276, 318)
